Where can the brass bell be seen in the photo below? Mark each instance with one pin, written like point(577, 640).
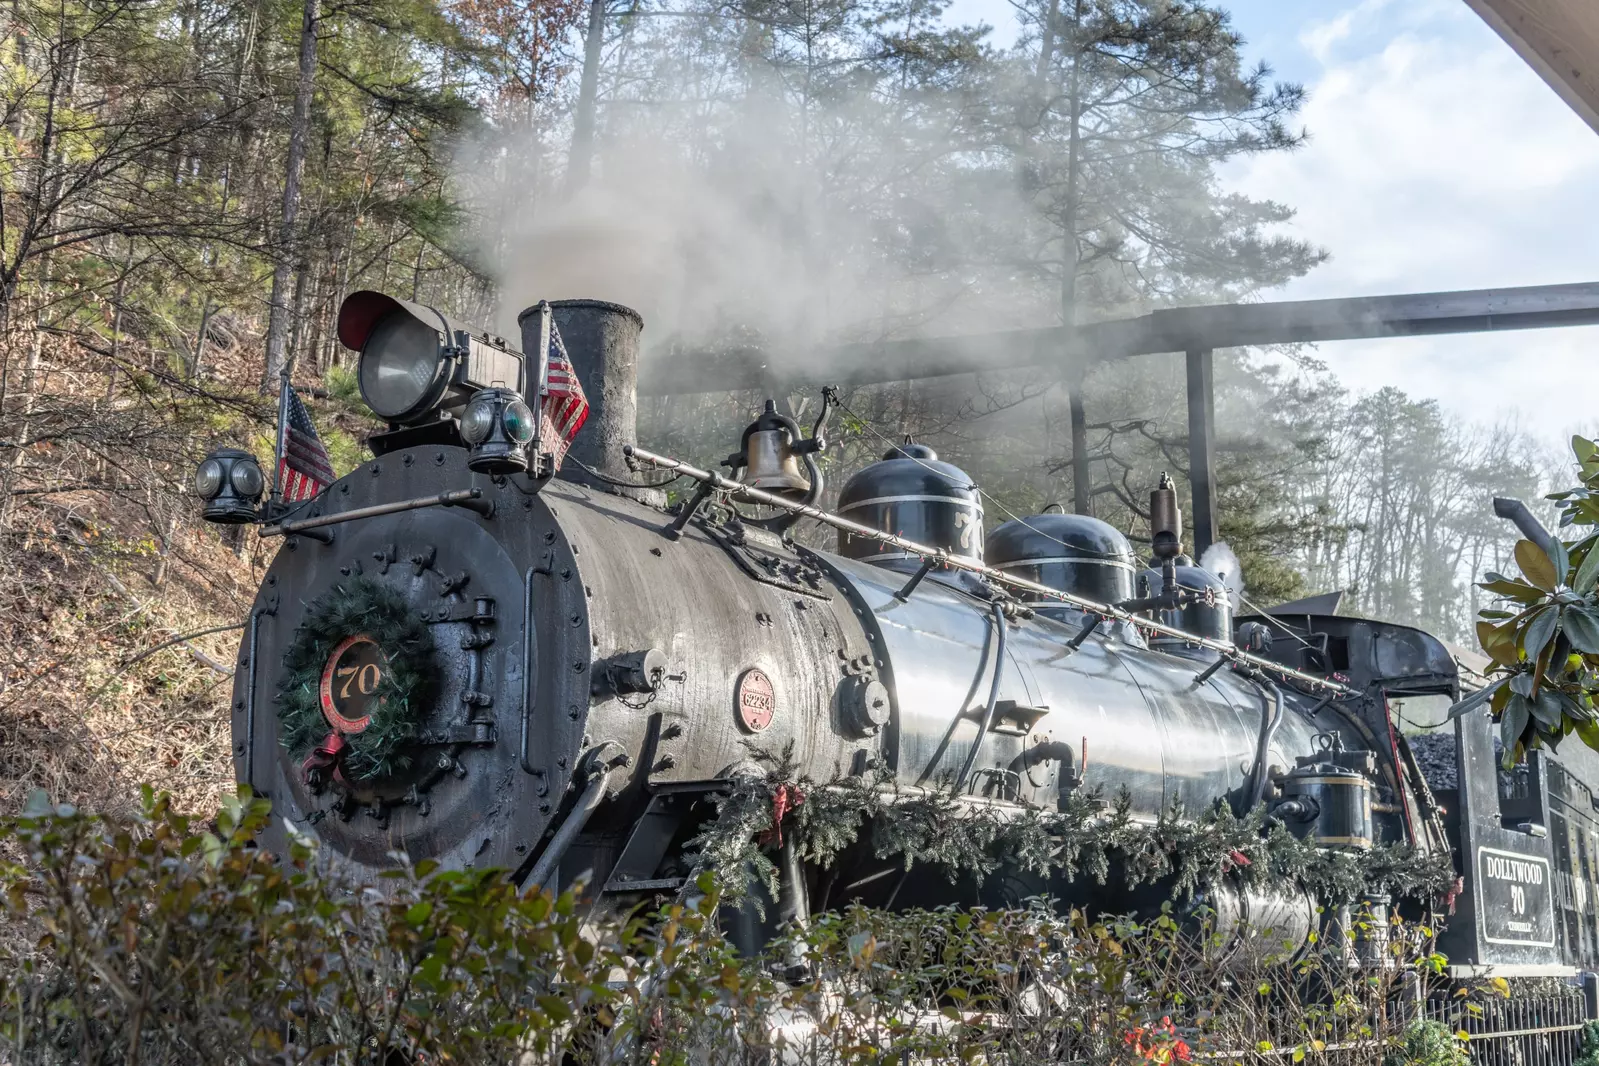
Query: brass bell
point(774, 457)
point(773, 464)
point(768, 457)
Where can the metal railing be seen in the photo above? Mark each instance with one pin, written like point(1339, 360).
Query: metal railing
point(1528, 1030)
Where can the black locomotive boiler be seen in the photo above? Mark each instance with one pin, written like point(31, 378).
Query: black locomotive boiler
point(459, 657)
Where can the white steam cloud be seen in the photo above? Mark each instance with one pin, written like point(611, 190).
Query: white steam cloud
point(765, 220)
point(1222, 561)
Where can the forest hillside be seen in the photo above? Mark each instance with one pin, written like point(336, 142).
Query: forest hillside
point(190, 187)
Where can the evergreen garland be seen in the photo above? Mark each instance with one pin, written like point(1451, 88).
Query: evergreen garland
point(1589, 1045)
point(359, 605)
point(1080, 840)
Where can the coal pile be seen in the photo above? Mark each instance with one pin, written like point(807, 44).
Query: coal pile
point(1435, 755)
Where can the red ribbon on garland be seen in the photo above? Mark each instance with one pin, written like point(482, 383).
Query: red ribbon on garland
point(324, 758)
point(784, 801)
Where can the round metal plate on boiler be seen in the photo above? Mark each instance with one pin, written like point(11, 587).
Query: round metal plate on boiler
point(755, 699)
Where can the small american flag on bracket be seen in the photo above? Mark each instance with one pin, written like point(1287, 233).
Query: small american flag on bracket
point(303, 465)
point(563, 406)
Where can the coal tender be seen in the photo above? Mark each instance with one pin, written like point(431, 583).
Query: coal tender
point(460, 656)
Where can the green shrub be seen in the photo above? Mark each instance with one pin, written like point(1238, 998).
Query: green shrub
point(1428, 1043)
point(344, 387)
point(164, 941)
point(1589, 1055)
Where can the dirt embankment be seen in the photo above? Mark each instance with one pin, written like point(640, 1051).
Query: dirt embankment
point(106, 565)
point(91, 703)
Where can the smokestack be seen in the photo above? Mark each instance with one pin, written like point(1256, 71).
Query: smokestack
point(602, 340)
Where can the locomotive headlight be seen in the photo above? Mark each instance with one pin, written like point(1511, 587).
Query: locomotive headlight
point(400, 366)
point(498, 425)
point(230, 481)
point(419, 362)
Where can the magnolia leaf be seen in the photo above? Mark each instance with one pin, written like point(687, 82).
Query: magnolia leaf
point(1581, 627)
point(1589, 732)
point(1514, 721)
point(1587, 575)
point(1499, 642)
point(1539, 631)
point(1556, 551)
point(1587, 454)
point(1501, 697)
point(1535, 565)
point(1546, 709)
point(1521, 685)
point(1488, 633)
point(1503, 652)
point(1574, 710)
point(1519, 591)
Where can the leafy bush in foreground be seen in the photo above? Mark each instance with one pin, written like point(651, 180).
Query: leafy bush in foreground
point(162, 941)
point(1427, 1043)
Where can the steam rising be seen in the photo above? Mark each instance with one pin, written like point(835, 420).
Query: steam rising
point(765, 216)
point(1222, 561)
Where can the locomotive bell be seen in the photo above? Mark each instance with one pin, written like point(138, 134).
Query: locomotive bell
point(771, 455)
point(773, 466)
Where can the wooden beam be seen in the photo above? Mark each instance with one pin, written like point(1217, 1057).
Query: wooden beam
point(1202, 448)
point(1559, 39)
point(1180, 329)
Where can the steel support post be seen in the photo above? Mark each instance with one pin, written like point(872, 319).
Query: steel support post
point(1201, 448)
point(1082, 502)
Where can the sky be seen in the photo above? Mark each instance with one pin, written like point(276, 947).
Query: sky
point(1437, 159)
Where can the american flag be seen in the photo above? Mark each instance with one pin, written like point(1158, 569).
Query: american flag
point(303, 465)
point(564, 407)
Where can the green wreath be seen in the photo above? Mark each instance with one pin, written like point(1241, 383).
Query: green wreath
point(359, 605)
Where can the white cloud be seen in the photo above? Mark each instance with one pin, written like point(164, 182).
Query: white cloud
point(1320, 38)
point(1438, 160)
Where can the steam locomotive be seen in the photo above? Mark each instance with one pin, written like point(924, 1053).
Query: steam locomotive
point(459, 656)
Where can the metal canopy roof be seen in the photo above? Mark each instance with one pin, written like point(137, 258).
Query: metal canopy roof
point(1559, 39)
point(1181, 329)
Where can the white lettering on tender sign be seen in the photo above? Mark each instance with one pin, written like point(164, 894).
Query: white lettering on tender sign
point(1504, 868)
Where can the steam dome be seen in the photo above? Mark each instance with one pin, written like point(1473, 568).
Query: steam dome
point(913, 494)
point(1070, 552)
